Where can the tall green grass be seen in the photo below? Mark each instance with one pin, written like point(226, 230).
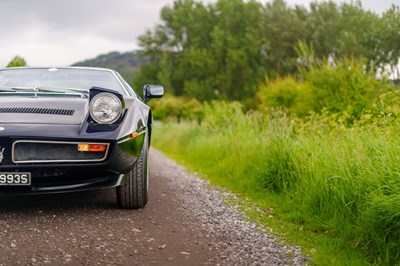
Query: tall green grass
point(331, 181)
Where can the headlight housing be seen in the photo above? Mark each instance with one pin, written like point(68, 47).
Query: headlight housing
point(105, 108)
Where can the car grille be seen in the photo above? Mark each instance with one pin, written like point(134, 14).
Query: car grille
point(45, 151)
point(47, 111)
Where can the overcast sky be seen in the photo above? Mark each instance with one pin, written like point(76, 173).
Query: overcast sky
point(62, 32)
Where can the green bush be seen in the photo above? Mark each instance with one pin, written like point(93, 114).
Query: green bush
point(177, 108)
point(289, 93)
point(342, 86)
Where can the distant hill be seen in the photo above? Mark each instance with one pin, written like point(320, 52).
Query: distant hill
point(125, 63)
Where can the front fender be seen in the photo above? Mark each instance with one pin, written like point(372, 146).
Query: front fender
point(126, 152)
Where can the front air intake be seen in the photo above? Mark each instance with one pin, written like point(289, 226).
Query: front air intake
point(26, 151)
point(47, 111)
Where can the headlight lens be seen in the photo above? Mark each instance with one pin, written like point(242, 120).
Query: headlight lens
point(105, 108)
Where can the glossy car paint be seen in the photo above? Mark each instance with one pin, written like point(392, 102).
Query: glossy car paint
point(62, 177)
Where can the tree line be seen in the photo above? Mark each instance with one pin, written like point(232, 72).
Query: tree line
point(225, 49)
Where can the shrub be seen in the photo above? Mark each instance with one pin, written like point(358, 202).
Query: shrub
point(289, 93)
point(343, 86)
point(177, 108)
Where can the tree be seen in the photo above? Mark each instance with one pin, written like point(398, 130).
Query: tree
point(207, 52)
point(388, 47)
point(225, 49)
point(17, 61)
point(283, 27)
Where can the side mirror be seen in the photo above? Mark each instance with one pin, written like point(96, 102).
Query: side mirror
point(152, 91)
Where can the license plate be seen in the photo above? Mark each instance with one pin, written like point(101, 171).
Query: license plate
point(15, 179)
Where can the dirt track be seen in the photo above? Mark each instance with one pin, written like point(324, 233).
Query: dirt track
point(185, 223)
point(88, 229)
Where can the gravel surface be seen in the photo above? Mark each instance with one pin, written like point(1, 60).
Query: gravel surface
point(185, 223)
point(238, 241)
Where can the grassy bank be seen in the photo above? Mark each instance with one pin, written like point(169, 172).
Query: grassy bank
point(331, 188)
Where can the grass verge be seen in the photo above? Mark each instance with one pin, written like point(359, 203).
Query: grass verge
point(331, 189)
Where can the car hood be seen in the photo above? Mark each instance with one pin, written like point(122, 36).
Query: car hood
point(49, 110)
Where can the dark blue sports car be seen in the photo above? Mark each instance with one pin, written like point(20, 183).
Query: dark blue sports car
point(72, 129)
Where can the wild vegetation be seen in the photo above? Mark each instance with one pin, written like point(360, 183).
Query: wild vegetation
point(333, 173)
point(310, 129)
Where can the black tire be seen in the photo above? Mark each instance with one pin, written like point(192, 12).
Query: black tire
point(133, 194)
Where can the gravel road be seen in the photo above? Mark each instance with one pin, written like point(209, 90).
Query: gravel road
point(185, 222)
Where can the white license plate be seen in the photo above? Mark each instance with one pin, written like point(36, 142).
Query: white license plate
point(15, 179)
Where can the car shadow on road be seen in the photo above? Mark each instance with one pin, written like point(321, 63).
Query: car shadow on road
point(100, 199)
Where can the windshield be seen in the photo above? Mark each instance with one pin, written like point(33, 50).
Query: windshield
point(60, 78)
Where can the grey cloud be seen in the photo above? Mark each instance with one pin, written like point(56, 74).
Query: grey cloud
point(119, 19)
point(36, 28)
point(123, 20)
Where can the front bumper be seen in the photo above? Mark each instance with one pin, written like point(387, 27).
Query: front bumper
point(70, 177)
point(63, 187)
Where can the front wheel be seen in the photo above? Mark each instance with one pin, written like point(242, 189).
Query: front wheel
point(133, 194)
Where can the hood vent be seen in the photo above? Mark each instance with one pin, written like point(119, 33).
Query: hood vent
point(46, 111)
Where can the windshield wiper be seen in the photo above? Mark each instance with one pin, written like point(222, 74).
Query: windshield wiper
point(37, 91)
point(67, 91)
point(6, 89)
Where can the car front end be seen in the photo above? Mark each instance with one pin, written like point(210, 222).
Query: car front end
point(60, 150)
point(64, 139)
